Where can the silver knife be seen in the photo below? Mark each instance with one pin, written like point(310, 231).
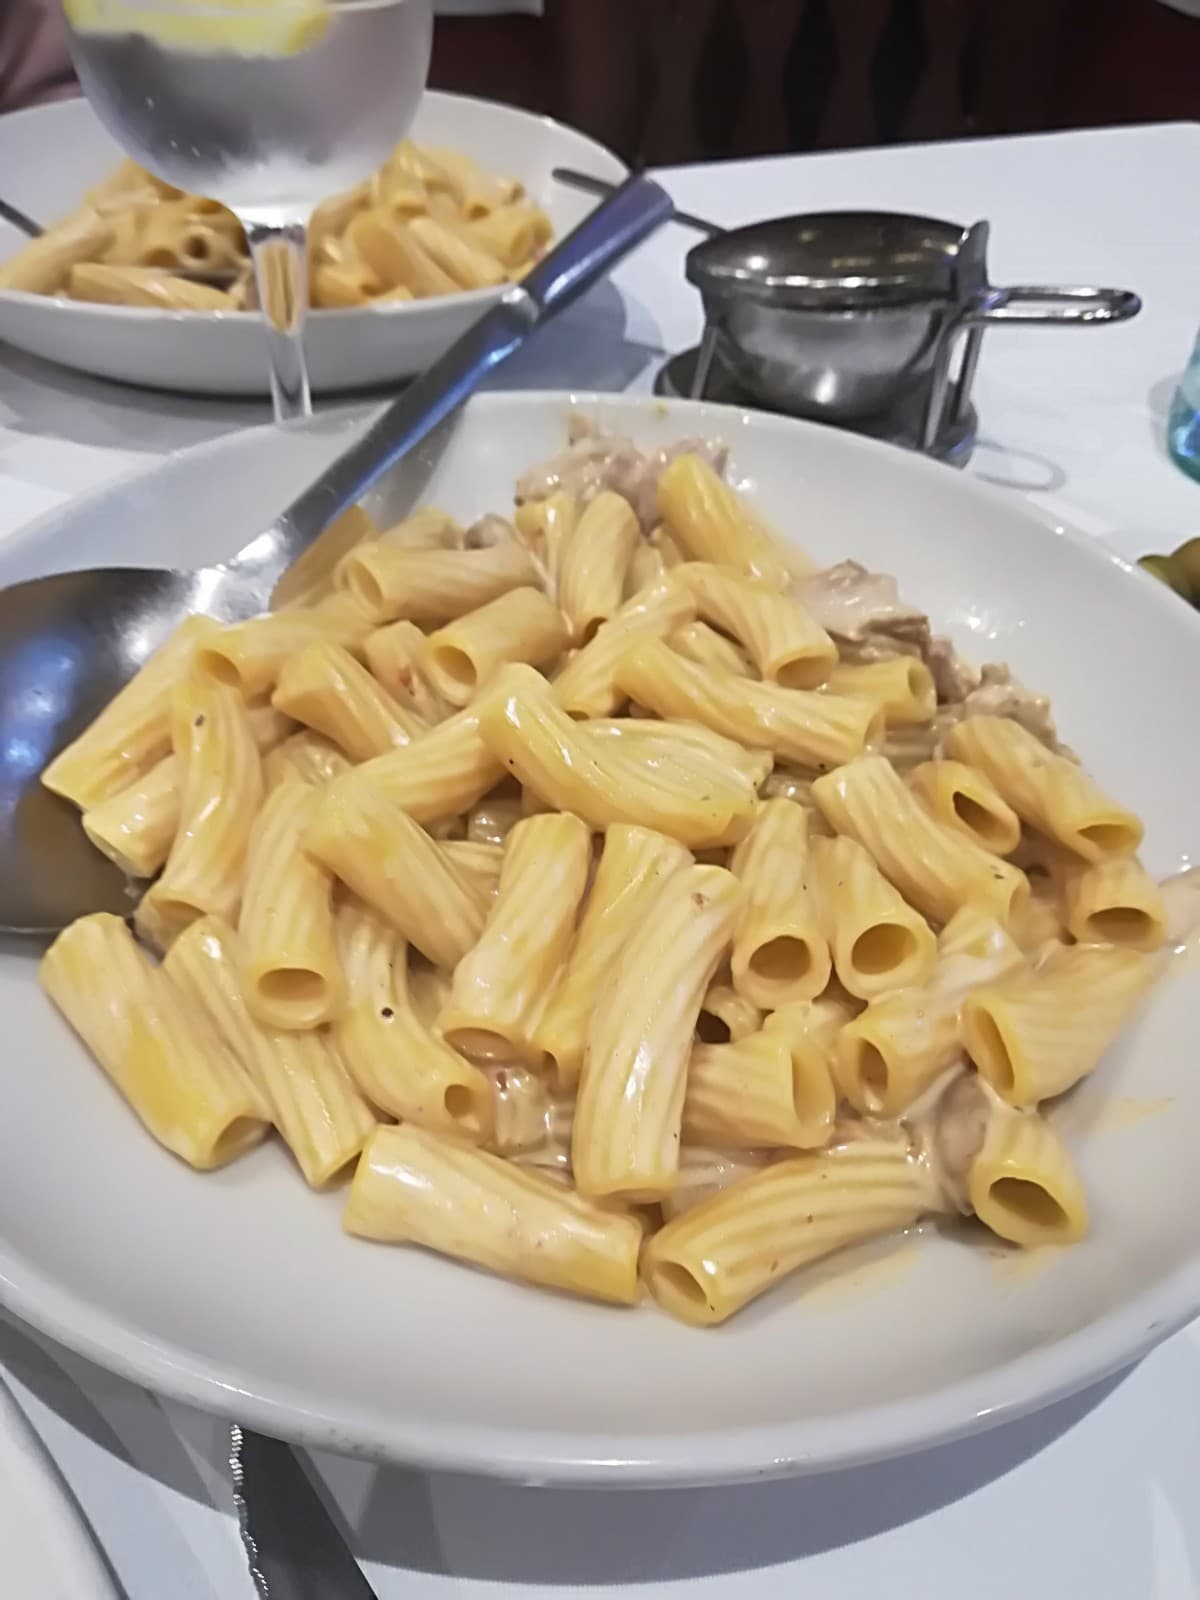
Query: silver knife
point(292, 1544)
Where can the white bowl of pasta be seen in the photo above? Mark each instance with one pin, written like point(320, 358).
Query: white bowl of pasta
point(99, 294)
point(697, 1056)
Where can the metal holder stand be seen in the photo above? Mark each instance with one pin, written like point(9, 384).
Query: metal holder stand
point(855, 319)
point(944, 431)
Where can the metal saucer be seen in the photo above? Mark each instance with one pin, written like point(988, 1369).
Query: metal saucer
point(954, 444)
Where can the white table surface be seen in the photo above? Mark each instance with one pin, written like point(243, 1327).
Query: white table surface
point(1099, 1497)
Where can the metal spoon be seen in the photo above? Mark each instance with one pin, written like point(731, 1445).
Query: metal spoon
point(69, 642)
point(575, 179)
point(215, 280)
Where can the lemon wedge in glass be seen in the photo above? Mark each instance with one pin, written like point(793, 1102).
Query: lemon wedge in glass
point(236, 27)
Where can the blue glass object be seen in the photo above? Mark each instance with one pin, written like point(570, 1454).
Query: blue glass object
point(1183, 424)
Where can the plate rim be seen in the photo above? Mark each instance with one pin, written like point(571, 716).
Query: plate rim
point(1004, 1392)
point(400, 311)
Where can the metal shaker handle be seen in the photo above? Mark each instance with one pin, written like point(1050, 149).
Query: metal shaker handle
point(630, 214)
point(1050, 305)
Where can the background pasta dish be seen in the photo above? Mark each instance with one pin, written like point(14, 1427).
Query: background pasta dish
point(430, 222)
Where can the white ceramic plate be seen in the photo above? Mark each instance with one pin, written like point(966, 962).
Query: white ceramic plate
point(46, 1552)
point(49, 156)
point(238, 1291)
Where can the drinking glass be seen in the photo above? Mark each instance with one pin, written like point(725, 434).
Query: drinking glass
point(268, 106)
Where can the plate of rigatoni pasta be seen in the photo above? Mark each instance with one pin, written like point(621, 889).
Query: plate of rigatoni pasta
point(669, 954)
point(140, 282)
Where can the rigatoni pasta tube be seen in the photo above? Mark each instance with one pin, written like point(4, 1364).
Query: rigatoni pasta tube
point(389, 1049)
point(713, 523)
point(160, 1051)
point(440, 774)
point(433, 586)
point(250, 655)
point(625, 1139)
point(544, 526)
point(967, 802)
point(321, 1116)
point(528, 732)
point(780, 952)
point(935, 869)
point(593, 562)
point(480, 193)
point(646, 566)
point(470, 265)
point(308, 757)
point(101, 284)
point(1021, 1182)
point(325, 688)
point(513, 233)
point(709, 754)
point(221, 788)
point(1046, 790)
point(136, 826)
point(797, 724)
point(501, 986)
point(586, 686)
point(427, 528)
point(699, 642)
point(43, 265)
point(133, 731)
point(289, 962)
point(782, 640)
point(878, 942)
point(755, 1094)
point(809, 1030)
point(1038, 1031)
point(414, 1188)
point(903, 1042)
point(901, 686)
point(726, 1015)
point(634, 865)
point(1112, 902)
point(341, 287)
point(396, 657)
point(723, 1253)
point(396, 256)
point(392, 863)
point(521, 625)
point(480, 863)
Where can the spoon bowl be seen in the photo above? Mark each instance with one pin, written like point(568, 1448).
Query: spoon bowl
point(69, 642)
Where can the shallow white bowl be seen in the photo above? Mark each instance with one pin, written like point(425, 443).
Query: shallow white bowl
point(237, 1291)
point(49, 156)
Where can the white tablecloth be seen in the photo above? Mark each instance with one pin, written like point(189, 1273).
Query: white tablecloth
point(1098, 1497)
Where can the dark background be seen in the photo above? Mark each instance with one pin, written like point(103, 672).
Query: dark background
point(686, 80)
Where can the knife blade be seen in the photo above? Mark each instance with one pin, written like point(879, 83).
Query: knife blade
point(293, 1546)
